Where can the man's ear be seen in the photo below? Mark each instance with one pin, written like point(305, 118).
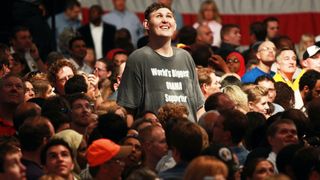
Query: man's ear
point(305, 89)
point(250, 105)
point(146, 24)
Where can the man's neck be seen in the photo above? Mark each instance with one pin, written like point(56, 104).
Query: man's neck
point(264, 67)
point(286, 76)
point(79, 129)
point(162, 46)
point(151, 162)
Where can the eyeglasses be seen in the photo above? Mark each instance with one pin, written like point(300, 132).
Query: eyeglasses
point(268, 49)
point(232, 61)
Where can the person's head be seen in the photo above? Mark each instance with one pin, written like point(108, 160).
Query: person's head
point(12, 90)
point(230, 127)
point(272, 27)
point(170, 111)
point(237, 95)
point(95, 13)
point(268, 83)
point(10, 161)
point(258, 169)
point(81, 109)
point(18, 64)
point(119, 5)
point(206, 167)
point(5, 59)
point(57, 158)
point(159, 21)
point(76, 84)
point(59, 72)
point(208, 81)
point(281, 133)
point(258, 99)
point(207, 121)
point(209, 11)
point(106, 159)
point(136, 154)
point(218, 101)
point(78, 145)
point(313, 113)
point(309, 85)
point(236, 64)
point(153, 140)
point(29, 90)
point(306, 163)
point(119, 58)
point(285, 95)
point(21, 39)
point(59, 120)
point(283, 41)
point(34, 133)
point(103, 68)
point(230, 33)
point(72, 9)
point(78, 47)
point(186, 141)
point(306, 41)
point(187, 35)
point(204, 34)
point(311, 57)
point(257, 32)
point(286, 62)
point(266, 53)
point(41, 85)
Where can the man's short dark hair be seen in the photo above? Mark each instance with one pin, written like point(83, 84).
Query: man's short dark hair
point(274, 127)
point(51, 143)
point(259, 30)
point(8, 145)
point(154, 7)
point(73, 97)
point(269, 19)
point(186, 138)
point(235, 122)
point(18, 29)
point(226, 29)
point(309, 79)
point(76, 84)
point(32, 133)
point(187, 35)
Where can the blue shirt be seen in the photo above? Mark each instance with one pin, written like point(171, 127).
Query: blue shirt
point(125, 19)
point(253, 74)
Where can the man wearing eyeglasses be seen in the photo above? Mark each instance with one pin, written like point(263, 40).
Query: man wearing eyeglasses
point(266, 56)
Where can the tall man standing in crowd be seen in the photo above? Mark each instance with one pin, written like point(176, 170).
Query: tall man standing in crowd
point(159, 73)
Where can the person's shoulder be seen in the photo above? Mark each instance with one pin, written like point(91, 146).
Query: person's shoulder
point(109, 26)
point(138, 54)
point(249, 75)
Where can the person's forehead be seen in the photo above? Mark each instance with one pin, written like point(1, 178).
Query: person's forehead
point(161, 10)
point(57, 149)
point(81, 101)
point(266, 44)
point(286, 126)
point(13, 79)
point(287, 52)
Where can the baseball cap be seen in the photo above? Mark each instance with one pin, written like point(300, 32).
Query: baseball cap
point(103, 150)
point(311, 51)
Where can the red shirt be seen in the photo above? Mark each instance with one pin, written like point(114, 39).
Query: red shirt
point(6, 128)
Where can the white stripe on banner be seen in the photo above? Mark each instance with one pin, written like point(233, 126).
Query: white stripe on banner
point(225, 6)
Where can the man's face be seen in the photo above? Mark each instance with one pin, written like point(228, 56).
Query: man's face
point(263, 169)
point(313, 93)
point(12, 91)
point(272, 29)
point(271, 89)
point(161, 23)
point(313, 62)
point(22, 41)
point(287, 62)
point(285, 135)
point(59, 161)
point(95, 15)
point(62, 76)
point(29, 92)
point(79, 49)
point(215, 85)
point(261, 106)
point(100, 70)
point(267, 52)
point(13, 168)
point(73, 13)
point(158, 144)
point(119, 5)
point(118, 59)
point(233, 37)
point(205, 35)
point(136, 152)
point(81, 112)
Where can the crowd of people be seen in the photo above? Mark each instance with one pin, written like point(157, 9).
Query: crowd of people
point(121, 99)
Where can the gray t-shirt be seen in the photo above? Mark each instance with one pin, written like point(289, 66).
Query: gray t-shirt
point(150, 80)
